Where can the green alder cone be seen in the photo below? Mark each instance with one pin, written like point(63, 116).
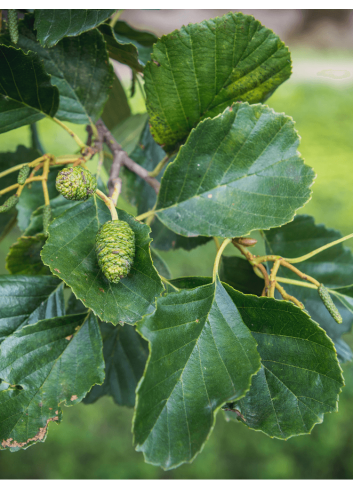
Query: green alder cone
point(330, 306)
point(13, 26)
point(23, 175)
point(11, 202)
point(76, 183)
point(115, 248)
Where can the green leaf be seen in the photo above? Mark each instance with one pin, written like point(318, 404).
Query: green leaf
point(75, 306)
point(127, 133)
point(26, 92)
point(26, 300)
point(32, 198)
point(300, 377)
point(70, 254)
point(148, 154)
point(203, 68)
point(202, 355)
point(117, 108)
point(24, 256)
point(52, 25)
point(58, 205)
point(238, 273)
point(160, 264)
point(125, 354)
point(345, 295)
point(238, 172)
point(53, 361)
point(332, 267)
point(128, 45)
point(8, 160)
point(79, 67)
point(190, 282)
point(186, 283)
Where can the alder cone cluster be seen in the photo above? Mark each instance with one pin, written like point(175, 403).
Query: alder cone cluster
point(115, 248)
point(76, 183)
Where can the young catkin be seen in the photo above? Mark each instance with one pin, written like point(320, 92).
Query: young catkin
point(46, 218)
point(23, 174)
point(330, 306)
point(13, 26)
point(11, 202)
point(115, 248)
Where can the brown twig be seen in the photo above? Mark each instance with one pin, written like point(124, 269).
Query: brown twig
point(274, 270)
point(266, 279)
point(120, 158)
point(288, 297)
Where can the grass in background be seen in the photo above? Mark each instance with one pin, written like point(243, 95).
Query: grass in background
point(95, 442)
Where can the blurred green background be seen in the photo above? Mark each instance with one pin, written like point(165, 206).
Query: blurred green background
point(95, 441)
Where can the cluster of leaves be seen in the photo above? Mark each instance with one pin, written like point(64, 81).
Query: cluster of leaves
point(192, 345)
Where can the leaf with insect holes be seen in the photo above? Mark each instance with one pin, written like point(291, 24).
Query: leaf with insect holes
point(71, 255)
point(42, 365)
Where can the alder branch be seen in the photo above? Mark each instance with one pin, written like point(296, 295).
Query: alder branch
point(121, 158)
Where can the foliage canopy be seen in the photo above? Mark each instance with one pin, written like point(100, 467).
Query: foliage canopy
point(210, 161)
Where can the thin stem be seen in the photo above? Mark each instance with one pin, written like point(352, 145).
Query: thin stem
point(100, 160)
point(18, 167)
point(151, 217)
point(261, 259)
point(265, 277)
point(284, 280)
point(295, 282)
point(275, 268)
point(159, 167)
point(72, 134)
point(143, 216)
point(109, 203)
point(115, 18)
point(18, 186)
point(168, 283)
point(8, 189)
point(299, 273)
point(288, 297)
point(218, 257)
point(216, 240)
point(44, 182)
point(318, 250)
point(116, 191)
